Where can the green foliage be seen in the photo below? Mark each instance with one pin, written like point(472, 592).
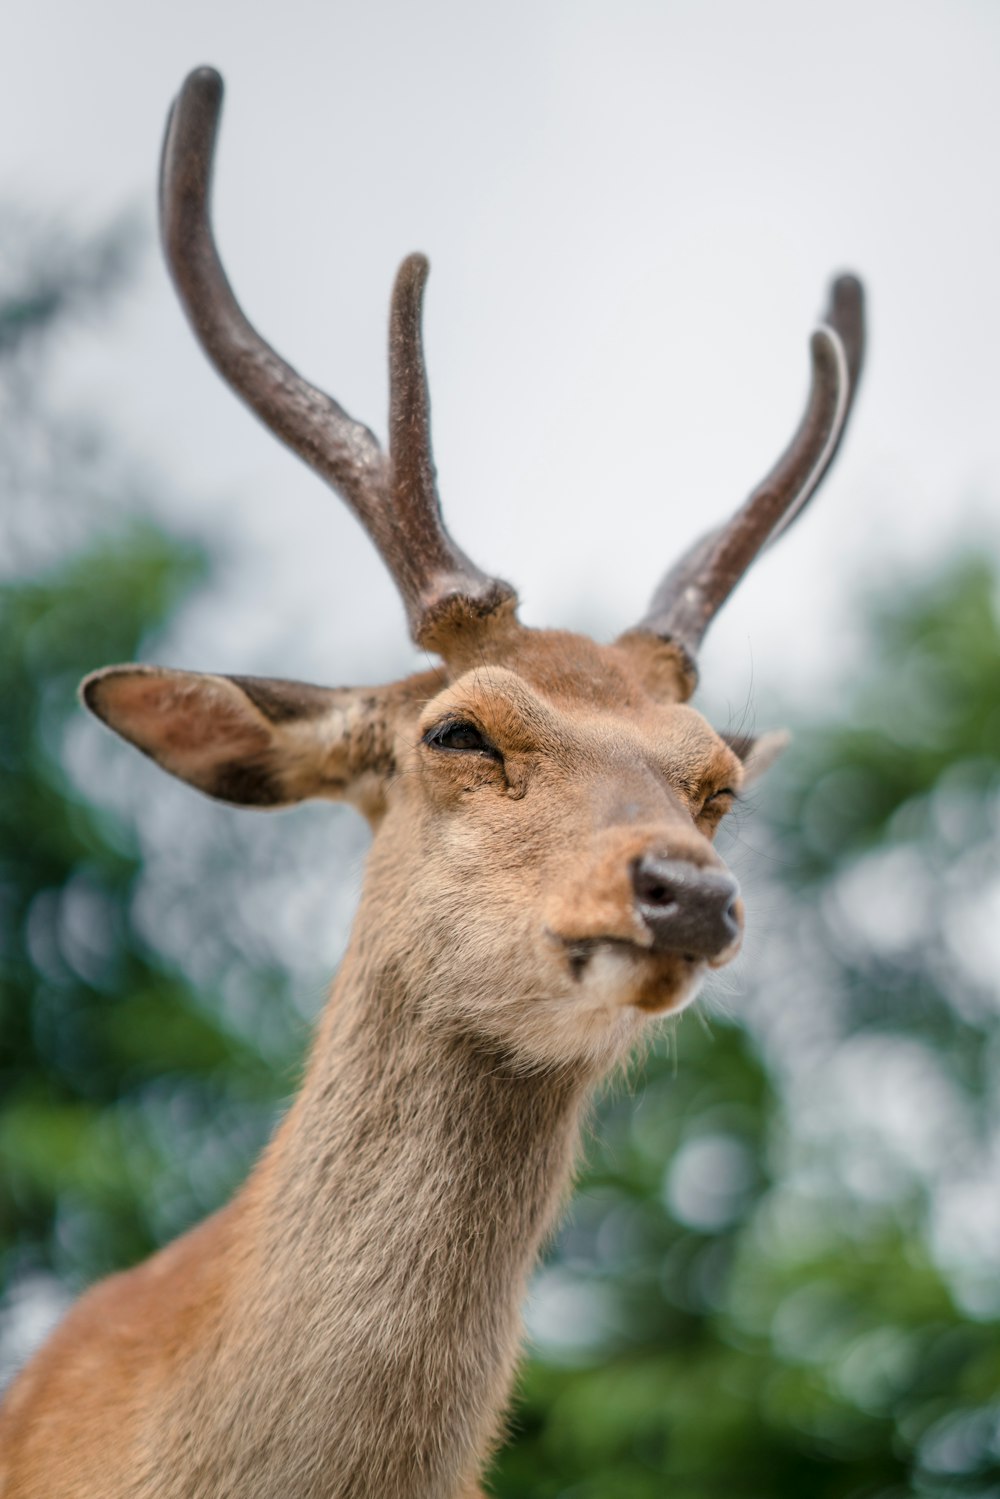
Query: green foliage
point(925, 712)
point(93, 1024)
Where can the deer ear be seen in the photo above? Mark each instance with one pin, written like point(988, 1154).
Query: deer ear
point(251, 741)
point(758, 753)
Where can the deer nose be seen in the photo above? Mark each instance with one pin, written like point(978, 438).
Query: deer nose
point(687, 909)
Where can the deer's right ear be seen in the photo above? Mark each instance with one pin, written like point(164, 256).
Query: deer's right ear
point(252, 741)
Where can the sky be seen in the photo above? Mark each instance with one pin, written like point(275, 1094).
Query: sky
point(632, 212)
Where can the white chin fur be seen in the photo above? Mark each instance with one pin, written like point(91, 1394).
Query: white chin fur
point(611, 974)
point(596, 1023)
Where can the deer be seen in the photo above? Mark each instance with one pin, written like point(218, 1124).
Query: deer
point(542, 885)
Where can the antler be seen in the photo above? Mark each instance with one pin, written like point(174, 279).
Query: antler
point(394, 496)
point(698, 585)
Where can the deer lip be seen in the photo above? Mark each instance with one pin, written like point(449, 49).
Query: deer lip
point(717, 958)
point(656, 982)
point(580, 950)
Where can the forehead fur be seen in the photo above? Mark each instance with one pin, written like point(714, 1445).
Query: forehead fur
point(568, 669)
point(546, 677)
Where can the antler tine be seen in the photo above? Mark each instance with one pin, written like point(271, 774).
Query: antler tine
point(697, 586)
point(845, 314)
point(438, 581)
point(395, 500)
point(313, 425)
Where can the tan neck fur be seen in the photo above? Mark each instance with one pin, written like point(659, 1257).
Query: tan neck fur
point(397, 1216)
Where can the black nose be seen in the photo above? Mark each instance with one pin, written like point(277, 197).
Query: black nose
point(687, 909)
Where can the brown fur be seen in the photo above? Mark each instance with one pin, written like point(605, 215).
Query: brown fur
point(350, 1323)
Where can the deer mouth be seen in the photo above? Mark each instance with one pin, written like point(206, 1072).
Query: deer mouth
point(632, 973)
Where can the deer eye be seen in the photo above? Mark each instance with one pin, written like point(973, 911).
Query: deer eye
point(719, 802)
point(458, 734)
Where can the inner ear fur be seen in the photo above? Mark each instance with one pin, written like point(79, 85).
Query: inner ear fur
point(254, 741)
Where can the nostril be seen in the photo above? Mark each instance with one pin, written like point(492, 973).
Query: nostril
point(656, 893)
point(651, 882)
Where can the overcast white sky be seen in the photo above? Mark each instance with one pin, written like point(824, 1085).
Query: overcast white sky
point(631, 209)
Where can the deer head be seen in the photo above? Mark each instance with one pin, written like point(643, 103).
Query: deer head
point(543, 872)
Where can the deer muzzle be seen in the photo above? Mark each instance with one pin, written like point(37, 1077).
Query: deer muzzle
point(687, 909)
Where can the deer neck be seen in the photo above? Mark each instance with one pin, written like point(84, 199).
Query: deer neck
point(399, 1213)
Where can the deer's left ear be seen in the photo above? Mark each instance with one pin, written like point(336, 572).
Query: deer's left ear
point(253, 741)
point(758, 753)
